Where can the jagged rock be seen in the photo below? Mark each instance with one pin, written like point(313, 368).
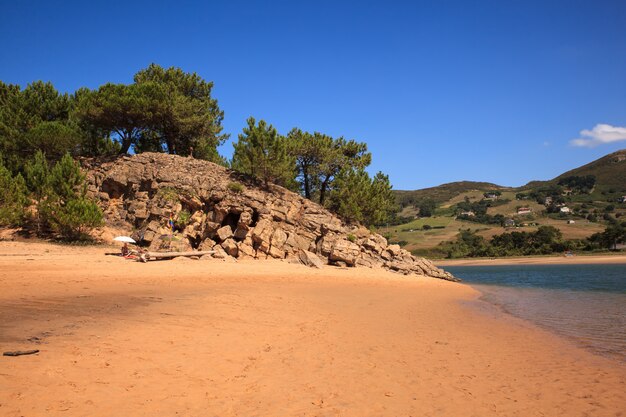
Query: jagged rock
point(344, 251)
point(262, 235)
point(325, 246)
point(211, 228)
point(140, 192)
point(241, 232)
point(207, 244)
point(279, 237)
point(246, 250)
point(310, 259)
point(394, 250)
point(224, 233)
point(220, 253)
point(230, 246)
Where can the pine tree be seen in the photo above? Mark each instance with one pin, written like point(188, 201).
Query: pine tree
point(263, 153)
point(67, 207)
point(13, 198)
point(38, 180)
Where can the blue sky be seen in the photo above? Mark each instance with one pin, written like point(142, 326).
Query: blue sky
point(440, 91)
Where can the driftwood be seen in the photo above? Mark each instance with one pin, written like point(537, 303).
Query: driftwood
point(21, 352)
point(146, 256)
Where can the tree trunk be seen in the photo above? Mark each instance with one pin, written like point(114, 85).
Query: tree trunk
point(126, 142)
point(307, 184)
point(323, 190)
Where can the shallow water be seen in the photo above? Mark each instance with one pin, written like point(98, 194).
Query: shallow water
point(586, 303)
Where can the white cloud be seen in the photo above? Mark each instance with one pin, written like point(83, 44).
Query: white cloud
point(599, 135)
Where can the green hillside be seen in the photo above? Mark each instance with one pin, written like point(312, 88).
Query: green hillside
point(588, 207)
point(444, 192)
point(610, 172)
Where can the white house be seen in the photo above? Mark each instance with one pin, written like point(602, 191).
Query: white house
point(524, 210)
point(565, 210)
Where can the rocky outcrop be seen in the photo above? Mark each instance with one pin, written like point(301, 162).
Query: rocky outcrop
point(221, 210)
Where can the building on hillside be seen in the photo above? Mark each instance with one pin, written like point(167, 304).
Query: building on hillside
point(467, 213)
point(509, 223)
point(524, 210)
point(571, 222)
point(548, 201)
point(565, 210)
point(491, 196)
point(623, 199)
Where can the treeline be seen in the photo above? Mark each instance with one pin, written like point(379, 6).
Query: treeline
point(545, 240)
point(169, 110)
point(163, 110)
point(579, 184)
point(330, 171)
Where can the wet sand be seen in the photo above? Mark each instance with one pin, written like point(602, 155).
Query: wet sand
point(213, 338)
point(538, 260)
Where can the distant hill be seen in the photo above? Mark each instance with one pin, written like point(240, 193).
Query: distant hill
point(444, 192)
point(587, 210)
point(610, 173)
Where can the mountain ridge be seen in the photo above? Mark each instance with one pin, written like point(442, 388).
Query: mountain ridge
point(609, 170)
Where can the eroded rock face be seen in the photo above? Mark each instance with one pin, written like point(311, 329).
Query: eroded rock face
point(140, 193)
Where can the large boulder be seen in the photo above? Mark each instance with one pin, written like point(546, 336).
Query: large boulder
point(230, 246)
point(224, 233)
point(345, 251)
point(310, 259)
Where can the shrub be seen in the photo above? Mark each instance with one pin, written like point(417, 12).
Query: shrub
point(73, 220)
point(352, 238)
point(236, 187)
point(182, 219)
point(168, 194)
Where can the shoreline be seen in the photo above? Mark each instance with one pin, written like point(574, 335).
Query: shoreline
point(535, 260)
point(198, 337)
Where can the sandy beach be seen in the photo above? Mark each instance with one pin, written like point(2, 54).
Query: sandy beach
point(213, 338)
point(538, 260)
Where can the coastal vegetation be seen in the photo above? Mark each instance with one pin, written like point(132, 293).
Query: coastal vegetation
point(163, 110)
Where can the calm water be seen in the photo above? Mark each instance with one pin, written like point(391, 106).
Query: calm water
point(586, 303)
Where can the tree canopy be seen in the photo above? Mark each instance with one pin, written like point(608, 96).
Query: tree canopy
point(262, 152)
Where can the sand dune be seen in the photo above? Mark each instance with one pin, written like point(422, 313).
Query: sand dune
point(211, 338)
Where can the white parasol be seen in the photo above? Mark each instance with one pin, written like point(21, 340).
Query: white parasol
point(124, 239)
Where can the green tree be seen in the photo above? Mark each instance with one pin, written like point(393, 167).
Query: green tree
point(340, 155)
point(13, 199)
point(357, 197)
point(261, 152)
point(308, 151)
point(67, 207)
point(38, 180)
point(613, 234)
point(320, 158)
point(426, 207)
point(54, 139)
point(191, 120)
point(36, 118)
point(125, 111)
